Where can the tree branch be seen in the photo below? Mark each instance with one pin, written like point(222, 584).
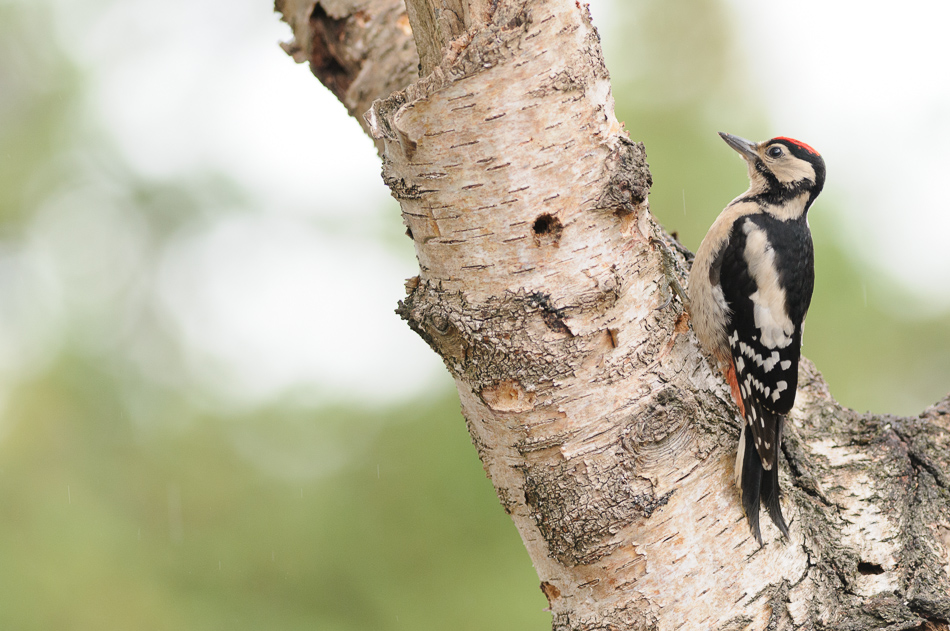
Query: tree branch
point(361, 51)
point(609, 439)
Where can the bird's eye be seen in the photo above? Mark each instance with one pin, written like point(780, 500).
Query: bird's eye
point(775, 151)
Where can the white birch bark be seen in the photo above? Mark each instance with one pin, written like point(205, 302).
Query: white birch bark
point(607, 436)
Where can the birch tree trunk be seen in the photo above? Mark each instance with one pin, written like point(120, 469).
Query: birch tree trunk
point(609, 439)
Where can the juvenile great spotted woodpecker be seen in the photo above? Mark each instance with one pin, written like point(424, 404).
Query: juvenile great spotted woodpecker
point(749, 290)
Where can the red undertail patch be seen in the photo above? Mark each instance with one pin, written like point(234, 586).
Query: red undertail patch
point(733, 382)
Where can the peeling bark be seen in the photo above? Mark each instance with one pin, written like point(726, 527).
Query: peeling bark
point(607, 436)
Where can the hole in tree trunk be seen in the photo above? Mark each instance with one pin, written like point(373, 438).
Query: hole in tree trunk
point(866, 568)
point(547, 230)
point(326, 58)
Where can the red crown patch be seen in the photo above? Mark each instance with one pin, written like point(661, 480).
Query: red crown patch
point(798, 143)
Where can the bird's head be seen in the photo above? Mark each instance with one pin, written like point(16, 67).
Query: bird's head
point(781, 169)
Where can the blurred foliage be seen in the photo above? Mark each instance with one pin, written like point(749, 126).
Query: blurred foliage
point(112, 526)
point(132, 500)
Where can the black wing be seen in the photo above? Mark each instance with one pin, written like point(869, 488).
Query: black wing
point(767, 277)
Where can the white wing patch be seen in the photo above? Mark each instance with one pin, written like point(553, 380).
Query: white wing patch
point(780, 387)
point(769, 363)
point(768, 301)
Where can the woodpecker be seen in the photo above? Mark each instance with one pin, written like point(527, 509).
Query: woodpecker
point(749, 291)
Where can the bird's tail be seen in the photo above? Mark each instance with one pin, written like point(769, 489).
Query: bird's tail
point(757, 483)
point(770, 493)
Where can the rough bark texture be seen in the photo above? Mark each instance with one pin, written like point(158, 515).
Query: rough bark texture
point(607, 436)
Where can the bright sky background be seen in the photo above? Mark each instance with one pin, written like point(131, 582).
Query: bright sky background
point(183, 85)
point(868, 85)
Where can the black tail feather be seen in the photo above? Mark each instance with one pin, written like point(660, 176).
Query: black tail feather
point(770, 497)
point(751, 476)
point(757, 484)
point(770, 493)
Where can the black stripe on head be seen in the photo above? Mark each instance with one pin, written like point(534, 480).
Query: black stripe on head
point(772, 182)
point(777, 193)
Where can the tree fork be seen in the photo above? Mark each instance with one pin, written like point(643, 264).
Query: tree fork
point(607, 436)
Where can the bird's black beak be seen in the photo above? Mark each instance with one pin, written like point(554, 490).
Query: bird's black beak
point(743, 146)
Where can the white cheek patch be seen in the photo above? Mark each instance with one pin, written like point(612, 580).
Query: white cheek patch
point(768, 301)
point(789, 171)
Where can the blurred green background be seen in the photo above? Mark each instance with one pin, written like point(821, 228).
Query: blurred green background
point(141, 487)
